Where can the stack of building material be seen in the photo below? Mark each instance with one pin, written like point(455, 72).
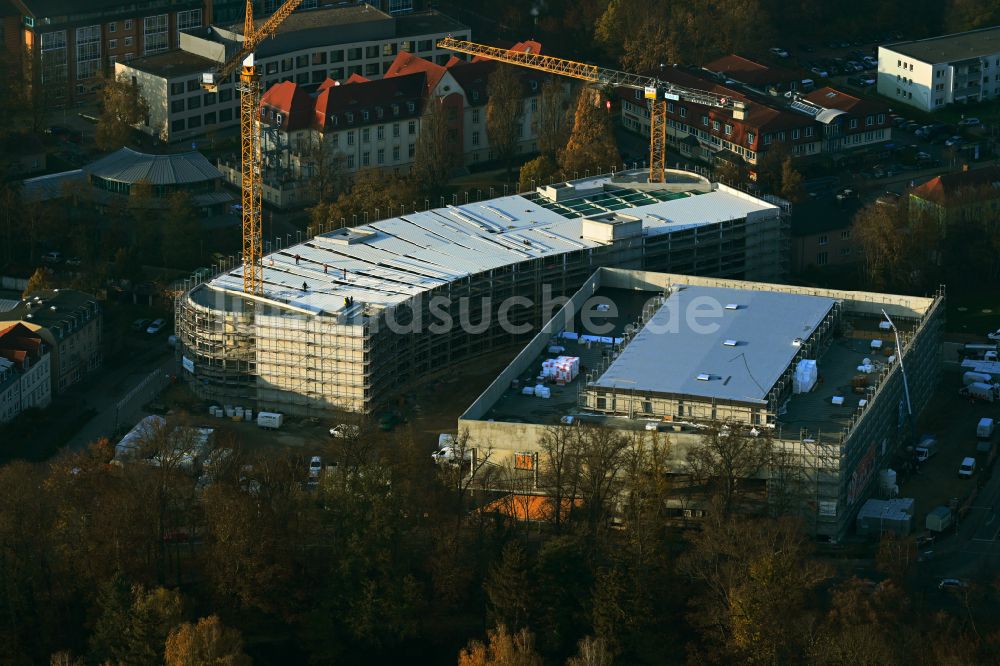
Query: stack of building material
point(562, 369)
point(543, 391)
point(805, 376)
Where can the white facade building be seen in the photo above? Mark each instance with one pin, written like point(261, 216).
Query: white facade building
point(930, 74)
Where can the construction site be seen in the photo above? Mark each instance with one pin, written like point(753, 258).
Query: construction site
point(836, 379)
point(348, 318)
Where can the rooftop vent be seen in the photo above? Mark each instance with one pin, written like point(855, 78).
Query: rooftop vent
point(704, 377)
point(52, 307)
point(732, 306)
point(797, 342)
point(731, 343)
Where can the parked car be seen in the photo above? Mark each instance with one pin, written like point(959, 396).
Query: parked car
point(156, 326)
point(345, 430)
point(141, 324)
point(820, 72)
point(968, 122)
point(967, 468)
point(52, 257)
point(778, 51)
point(954, 141)
point(910, 125)
point(952, 584)
point(315, 467)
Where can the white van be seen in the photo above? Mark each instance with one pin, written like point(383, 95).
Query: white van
point(967, 469)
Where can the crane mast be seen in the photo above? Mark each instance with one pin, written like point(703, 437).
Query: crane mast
point(249, 90)
point(657, 93)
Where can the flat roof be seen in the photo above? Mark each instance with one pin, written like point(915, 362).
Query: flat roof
point(173, 64)
point(948, 48)
point(388, 261)
point(739, 356)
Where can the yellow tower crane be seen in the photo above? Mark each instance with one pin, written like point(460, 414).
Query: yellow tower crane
point(656, 92)
point(249, 89)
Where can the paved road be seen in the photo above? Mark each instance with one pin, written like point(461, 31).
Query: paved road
point(107, 395)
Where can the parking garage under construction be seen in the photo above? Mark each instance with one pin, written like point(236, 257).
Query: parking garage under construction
point(349, 317)
point(817, 370)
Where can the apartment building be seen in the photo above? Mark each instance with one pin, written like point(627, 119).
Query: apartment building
point(69, 322)
point(25, 371)
point(821, 121)
point(71, 42)
point(963, 196)
point(311, 46)
point(929, 74)
point(365, 123)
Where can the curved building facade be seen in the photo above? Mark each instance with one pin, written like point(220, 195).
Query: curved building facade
point(350, 317)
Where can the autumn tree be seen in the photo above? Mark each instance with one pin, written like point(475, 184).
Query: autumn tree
point(502, 649)
point(435, 156)
point(791, 182)
point(754, 577)
point(323, 166)
point(181, 232)
point(726, 459)
point(122, 109)
point(374, 195)
point(133, 623)
point(537, 172)
point(553, 118)
point(42, 279)
point(207, 643)
point(504, 111)
point(591, 146)
point(591, 651)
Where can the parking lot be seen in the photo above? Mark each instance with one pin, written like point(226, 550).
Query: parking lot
point(952, 420)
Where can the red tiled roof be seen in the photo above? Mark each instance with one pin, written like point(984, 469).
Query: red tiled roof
point(356, 78)
point(950, 185)
point(407, 63)
point(749, 71)
point(831, 98)
point(292, 102)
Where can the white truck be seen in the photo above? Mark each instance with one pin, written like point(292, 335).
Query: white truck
point(450, 455)
point(981, 391)
point(927, 447)
point(270, 420)
point(972, 377)
point(984, 429)
point(967, 468)
point(938, 519)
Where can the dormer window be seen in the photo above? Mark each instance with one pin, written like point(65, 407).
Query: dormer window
point(475, 95)
point(350, 116)
point(411, 107)
point(534, 84)
point(378, 111)
point(277, 118)
point(395, 109)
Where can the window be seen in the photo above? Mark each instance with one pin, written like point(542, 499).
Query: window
point(683, 112)
point(380, 156)
point(821, 258)
point(670, 107)
point(350, 161)
point(704, 119)
point(809, 131)
point(319, 58)
point(194, 103)
point(365, 158)
point(845, 251)
point(354, 54)
point(853, 124)
point(371, 51)
point(767, 139)
point(88, 52)
point(225, 115)
point(750, 138)
point(155, 38)
point(716, 125)
point(350, 138)
point(411, 127)
point(728, 129)
point(337, 56)
point(395, 130)
point(475, 116)
point(177, 106)
point(534, 103)
point(177, 126)
point(475, 138)
point(869, 120)
point(128, 41)
point(524, 461)
point(388, 49)
point(177, 88)
point(337, 73)
point(301, 61)
point(302, 78)
point(128, 25)
point(194, 122)
point(411, 150)
point(823, 240)
point(112, 27)
point(406, 46)
point(380, 132)
point(845, 234)
point(372, 69)
point(187, 20)
point(881, 118)
point(53, 56)
point(425, 45)
point(395, 153)
point(366, 135)
point(112, 44)
point(225, 95)
point(210, 118)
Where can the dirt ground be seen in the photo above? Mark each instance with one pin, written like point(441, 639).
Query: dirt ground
point(952, 420)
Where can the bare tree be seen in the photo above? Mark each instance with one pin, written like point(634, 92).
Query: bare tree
point(602, 454)
point(553, 118)
point(727, 457)
point(503, 113)
point(560, 469)
point(435, 157)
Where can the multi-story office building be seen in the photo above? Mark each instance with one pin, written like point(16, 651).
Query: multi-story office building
point(70, 42)
point(376, 123)
point(310, 46)
point(350, 317)
point(800, 122)
point(951, 69)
